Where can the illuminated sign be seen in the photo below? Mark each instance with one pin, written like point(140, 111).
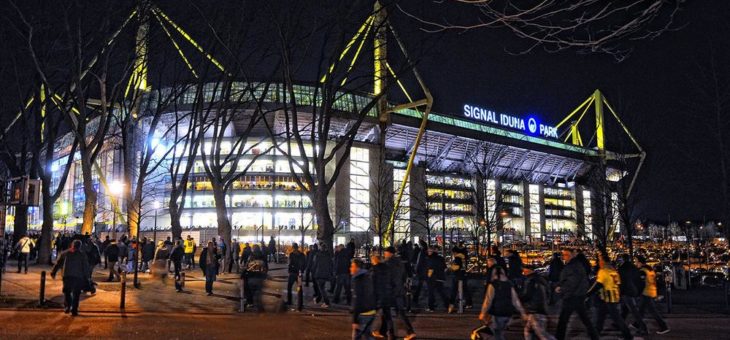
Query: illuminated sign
point(531, 125)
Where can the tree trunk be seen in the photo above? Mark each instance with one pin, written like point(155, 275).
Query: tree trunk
point(224, 225)
point(133, 217)
point(325, 225)
point(44, 252)
point(90, 199)
point(175, 226)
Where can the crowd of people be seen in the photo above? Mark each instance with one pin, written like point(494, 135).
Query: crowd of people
point(385, 284)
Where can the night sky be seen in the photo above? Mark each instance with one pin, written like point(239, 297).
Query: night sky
point(654, 90)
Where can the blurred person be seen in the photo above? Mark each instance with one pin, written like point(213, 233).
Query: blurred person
point(209, 265)
point(76, 270)
point(572, 287)
point(500, 303)
point(297, 264)
point(607, 286)
point(363, 301)
point(649, 294)
point(23, 248)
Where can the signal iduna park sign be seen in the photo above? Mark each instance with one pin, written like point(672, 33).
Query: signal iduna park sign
point(531, 125)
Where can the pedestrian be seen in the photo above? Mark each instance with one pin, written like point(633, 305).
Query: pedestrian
point(176, 256)
point(209, 265)
point(297, 263)
point(515, 268)
point(398, 281)
point(458, 273)
point(649, 294)
point(272, 249)
point(322, 272)
point(235, 251)
point(436, 272)
point(554, 269)
point(607, 286)
point(629, 289)
point(363, 301)
point(105, 244)
point(420, 263)
point(23, 248)
point(534, 300)
point(76, 270)
point(189, 245)
point(382, 284)
point(148, 254)
point(111, 254)
point(254, 276)
point(572, 287)
point(310, 264)
point(342, 275)
point(500, 303)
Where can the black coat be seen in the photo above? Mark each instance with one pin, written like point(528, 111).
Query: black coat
point(630, 279)
point(202, 261)
point(383, 284)
point(363, 298)
point(74, 264)
point(437, 267)
point(573, 279)
point(397, 275)
point(297, 262)
point(148, 251)
point(420, 262)
point(177, 253)
point(322, 265)
point(112, 252)
point(515, 267)
point(556, 266)
point(342, 262)
point(535, 294)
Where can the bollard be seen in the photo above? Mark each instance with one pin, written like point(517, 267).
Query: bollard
point(182, 280)
point(242, 292)
point(409, 293)
point(42, 297)
point(300, 293)
point(122, 297)
point(461, 296)
point(669, 297)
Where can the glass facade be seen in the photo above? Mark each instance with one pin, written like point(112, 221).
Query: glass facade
point(359, 189)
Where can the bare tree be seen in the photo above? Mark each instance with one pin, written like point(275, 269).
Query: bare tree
point(311, 120)
point(587, 26)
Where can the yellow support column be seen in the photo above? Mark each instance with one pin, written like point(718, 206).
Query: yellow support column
point(598, 102)
point(575, 134)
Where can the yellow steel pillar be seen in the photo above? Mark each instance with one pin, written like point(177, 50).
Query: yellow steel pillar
point(380, 72)
point(598, 102)
point(138, 79)
point(575, 134)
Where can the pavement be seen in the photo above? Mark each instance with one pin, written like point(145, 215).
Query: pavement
point(156, 310)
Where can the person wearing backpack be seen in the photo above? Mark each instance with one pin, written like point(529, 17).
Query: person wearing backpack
point(209, 265)
point(297, 263)
point(23, 247)
point(76, 270)
point(534, 300)
point(500, 302)
point(254, 276)
point(630, 283)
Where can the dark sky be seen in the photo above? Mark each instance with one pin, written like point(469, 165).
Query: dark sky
point(655, 90)
point(652, 89)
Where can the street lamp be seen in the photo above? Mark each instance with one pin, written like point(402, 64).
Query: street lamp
point(157, 206)
point(116, 189)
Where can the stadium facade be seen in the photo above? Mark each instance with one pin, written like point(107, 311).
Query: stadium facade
point(475, 169)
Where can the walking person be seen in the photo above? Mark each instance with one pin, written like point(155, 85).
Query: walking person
point(572, 287)
point(607, 286)
point(76, 270)
point(436, 266)
point(310, 264)
point(209, 265)
point(649, 293)
point(420, 263)
point(24, 246)
point(534, 300)
point(176, 256)
point(363, 301)
point(111, 254)
point(322, 273)
point(254, 276)
point(398, 278)
point(500, 302)
point(235, 251)
point(342, 275)
point(382, 283)
point(555, 267)
point(458, 272)
point(297, 263)
point(629, 289)
point(189, 247)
